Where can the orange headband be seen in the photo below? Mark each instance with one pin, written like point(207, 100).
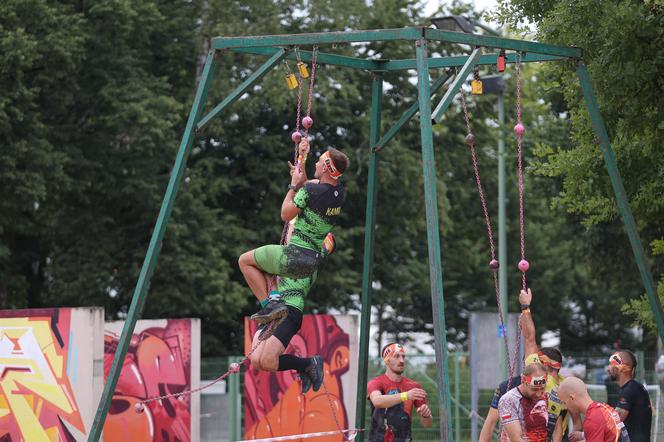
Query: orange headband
point(548, 361)
point(534, 381)
point(329, 164)
point(616, 360)
point(392, 350)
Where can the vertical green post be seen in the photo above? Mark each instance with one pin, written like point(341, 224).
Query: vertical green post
point(369, 233)
point(140, 292)
point(502, 233)
point(234, 403)
point(457, 396)
point(433, 239)
point(621, 197)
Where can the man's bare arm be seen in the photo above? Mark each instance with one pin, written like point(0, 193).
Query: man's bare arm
point(489, 424)
point(527, 324)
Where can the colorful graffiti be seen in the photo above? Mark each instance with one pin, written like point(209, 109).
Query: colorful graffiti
point(158, 362)
point(38, 364)
point(274, 404)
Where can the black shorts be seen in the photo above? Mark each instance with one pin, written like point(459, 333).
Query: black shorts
point(289, 327)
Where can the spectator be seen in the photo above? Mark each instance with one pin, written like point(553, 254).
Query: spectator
point(393, 397)
point(634, 407)
point(601, 423)
point(522, 410)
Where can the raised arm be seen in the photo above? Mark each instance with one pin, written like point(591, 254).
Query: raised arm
point(527, 324)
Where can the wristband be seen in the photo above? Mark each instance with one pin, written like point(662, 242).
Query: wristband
point(292, 187)
point(524, 311)
point(404, 396)
point(525, 306)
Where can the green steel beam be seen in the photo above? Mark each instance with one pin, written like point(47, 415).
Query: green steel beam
point(410, 113)
point(242, 88)
point(456, 85)
point(143, 283)
point(321, 57)
point(502, 43)
point(621, 197)
point(433, 240)
point(369, 235)
point(317, 38)
point(460, 60)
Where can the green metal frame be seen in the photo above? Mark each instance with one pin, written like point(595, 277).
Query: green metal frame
point(280, 47)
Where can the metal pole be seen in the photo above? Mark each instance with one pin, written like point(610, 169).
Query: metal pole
point(140, 292)
point(502, 232)
point(433, 239)
point(369, 233)
point(234, 403)
point(457, 396)
point(474, 390)
point(621, 197)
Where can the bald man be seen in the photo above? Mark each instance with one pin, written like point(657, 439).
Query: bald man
point(601, 422)
point(634, 407)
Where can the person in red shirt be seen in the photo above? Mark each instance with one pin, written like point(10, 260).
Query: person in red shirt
point(601, 423)
point(393, 397)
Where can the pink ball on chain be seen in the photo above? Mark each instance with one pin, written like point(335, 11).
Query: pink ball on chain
point(519, 129)
point(524, 265)
point(296, 136)
point(139, 407)
point(234, 367)
point(494, 265)
point(470, 139)
point(307, 122)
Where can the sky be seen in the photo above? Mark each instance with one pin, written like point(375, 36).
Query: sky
point(432, 5)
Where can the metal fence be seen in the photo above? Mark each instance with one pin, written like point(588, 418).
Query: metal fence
point(222, 420)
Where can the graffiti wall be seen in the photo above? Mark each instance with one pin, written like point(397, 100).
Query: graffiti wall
point(274, 404)
point(163, 357)
point(50, 373)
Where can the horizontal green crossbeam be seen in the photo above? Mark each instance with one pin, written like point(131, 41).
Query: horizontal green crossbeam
point(455, 61)
point(317, 38)
point(502, 43)
point(321, 57)
point(241, 89)
point(410, 113)
point(467, 68)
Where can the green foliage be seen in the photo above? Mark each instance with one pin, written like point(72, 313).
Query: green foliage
point(622, 48)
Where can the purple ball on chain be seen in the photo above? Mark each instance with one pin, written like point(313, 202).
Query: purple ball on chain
point(494, 265)
point(307, 122)
point(139, 407)
point(470, 139)
point(296, 136)
point(519, 130)
point(234, 367)
point(524, 265)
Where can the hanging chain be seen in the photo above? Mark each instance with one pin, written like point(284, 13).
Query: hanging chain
point(470, 140)
point(140, 405)
point(519, 139)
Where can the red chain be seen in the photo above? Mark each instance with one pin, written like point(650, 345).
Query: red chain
point(519, 139)
point(489, 230)
point(269, 333)
point(314, 56)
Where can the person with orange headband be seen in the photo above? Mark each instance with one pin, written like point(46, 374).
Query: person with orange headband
point(522, 410)
point(634, 406)
point(392, 397)
point(313, 207)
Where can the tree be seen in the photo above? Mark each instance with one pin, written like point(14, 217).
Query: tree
point(624, 62)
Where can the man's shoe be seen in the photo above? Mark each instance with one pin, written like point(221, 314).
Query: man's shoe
point(306, 381)
point(315, 372)
point(273, 311)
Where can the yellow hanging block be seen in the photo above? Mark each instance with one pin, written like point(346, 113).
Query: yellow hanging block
point(302, 67)
point(476, 87)
point(291, 80)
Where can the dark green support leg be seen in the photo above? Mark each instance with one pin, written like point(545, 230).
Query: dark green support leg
point(369, 233)
point(621, 197)
point(433, 239)
point(150, 261)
